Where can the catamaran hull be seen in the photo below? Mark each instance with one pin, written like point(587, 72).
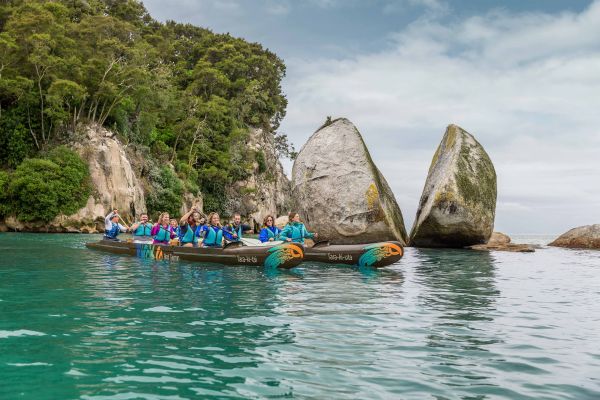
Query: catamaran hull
point(285, 256)
point(374, 255)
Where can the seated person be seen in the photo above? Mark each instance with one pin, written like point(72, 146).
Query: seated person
point(269, 232)
point(212, 233)
point(199, 218)
point(295, 231)
point(161, 232)
point(141, 230)
point(112, 227)
point(187, 229)
point(233, 231)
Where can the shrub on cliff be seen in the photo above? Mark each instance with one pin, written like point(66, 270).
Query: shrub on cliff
point(165, 193)
point(40, 189)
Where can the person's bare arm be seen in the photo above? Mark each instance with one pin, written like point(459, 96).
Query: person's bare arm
point(185, 217)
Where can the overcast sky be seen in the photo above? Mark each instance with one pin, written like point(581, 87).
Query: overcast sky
point(522, 76)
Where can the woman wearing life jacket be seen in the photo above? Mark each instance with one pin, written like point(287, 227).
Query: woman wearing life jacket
point(187, 229)
point(142, 230)
point(212, 232)
point(161, 232)
point(295, 231)
point(269, 232)
point(112, 227)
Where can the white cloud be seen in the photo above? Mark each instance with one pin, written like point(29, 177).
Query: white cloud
point(526, 85)
point(278, 7)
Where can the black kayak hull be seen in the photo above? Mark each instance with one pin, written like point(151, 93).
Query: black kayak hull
point(374, 255)
point(284, 256)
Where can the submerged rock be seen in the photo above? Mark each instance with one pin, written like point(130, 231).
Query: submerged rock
point(583, 237)
point(457, 207)
point(340, 193)
point(501, 242)
point(498, 238)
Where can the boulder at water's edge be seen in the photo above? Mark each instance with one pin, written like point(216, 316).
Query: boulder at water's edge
point(583, 237)
point(340, 193)
point(457, 207)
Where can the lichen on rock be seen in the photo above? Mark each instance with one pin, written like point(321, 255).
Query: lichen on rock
point(457, 207)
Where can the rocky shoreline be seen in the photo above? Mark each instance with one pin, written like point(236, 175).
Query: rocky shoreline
point(456, 209)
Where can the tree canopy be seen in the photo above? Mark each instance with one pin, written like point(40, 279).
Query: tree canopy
point(182, 94)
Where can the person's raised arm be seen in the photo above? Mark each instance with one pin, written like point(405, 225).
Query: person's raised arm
point(107, 219)
point(185, 217)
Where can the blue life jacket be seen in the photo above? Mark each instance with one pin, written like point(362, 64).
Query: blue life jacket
point(189, 236)
point(269, 232)
point(143, 230)
point(213, 238)
point(113, 232)
point(273, 232)
point(163, 235)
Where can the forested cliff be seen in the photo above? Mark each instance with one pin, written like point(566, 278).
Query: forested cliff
point(180, 99)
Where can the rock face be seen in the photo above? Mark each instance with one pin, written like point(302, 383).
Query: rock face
point(583, 237)
point(458, 203)
point(340, 193)
point(113, 179)
point(267, 190)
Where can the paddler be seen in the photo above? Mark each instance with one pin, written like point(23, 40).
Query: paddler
point(295, 231)
point(112, 227)
point(188, 227)
point(269, 232)
point(233, 231)
point(142, 230)
point(161, 231)
point(212, 233)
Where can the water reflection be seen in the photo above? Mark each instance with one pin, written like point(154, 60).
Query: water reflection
point(460, 283)
point(459, 293)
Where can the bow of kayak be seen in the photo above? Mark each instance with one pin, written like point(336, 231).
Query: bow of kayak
point(374, 255)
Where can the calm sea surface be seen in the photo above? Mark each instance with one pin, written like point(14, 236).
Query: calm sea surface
point(441, 324)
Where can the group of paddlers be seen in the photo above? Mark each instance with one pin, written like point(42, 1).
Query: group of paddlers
point(193, 229)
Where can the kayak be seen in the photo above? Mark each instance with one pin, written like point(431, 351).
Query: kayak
point(374, 255)
point(285, 255)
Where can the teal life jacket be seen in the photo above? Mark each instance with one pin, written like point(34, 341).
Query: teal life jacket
point(143, 230)
point(163, 235)
point(212, 238)
point(298, 231)
point(189, 236)
point(237, 231)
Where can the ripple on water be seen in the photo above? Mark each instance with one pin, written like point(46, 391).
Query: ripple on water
point(20, 333)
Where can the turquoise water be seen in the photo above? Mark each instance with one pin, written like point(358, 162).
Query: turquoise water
point(441, 324)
